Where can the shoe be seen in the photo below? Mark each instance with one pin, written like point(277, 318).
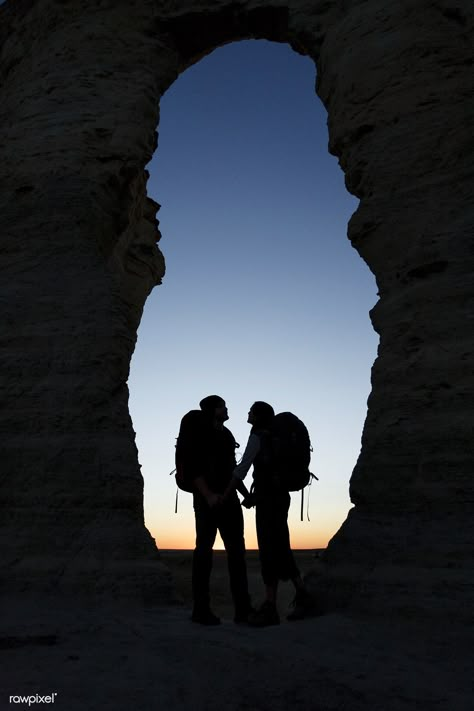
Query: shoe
point(265, 616)
point(241, 617)
point(302, 606)
point(205, 617)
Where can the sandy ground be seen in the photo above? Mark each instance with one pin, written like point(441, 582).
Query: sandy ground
point(118, 658)
point(180, 564)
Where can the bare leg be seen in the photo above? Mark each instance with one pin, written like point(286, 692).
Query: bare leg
point(271, 592)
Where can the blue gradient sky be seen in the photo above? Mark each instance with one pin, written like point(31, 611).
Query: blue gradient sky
point(264, 297)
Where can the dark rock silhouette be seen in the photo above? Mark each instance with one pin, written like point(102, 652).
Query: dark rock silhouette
point(81, 83)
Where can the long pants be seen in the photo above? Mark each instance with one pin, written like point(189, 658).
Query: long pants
point(276, 558)
point(229, 521)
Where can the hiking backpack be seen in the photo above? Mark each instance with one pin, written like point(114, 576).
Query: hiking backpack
point(187, 447)
point(291, 450)
point(192, 455)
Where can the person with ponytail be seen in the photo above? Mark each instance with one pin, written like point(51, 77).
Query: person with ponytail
point(272, 503)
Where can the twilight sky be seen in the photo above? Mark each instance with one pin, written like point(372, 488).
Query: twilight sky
point(263, 298)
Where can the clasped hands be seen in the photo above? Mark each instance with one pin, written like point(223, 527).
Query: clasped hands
point(215, 500)
point(248, 501)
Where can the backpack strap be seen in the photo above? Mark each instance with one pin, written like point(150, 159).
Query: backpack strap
point(312, 476)
point(177, 491)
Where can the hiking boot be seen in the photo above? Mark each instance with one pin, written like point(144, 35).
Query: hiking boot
point(302, 606)
point(241, 617)
point(265, 616)
point(205, 617)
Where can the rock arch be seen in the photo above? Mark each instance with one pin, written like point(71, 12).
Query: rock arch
point(80, 86)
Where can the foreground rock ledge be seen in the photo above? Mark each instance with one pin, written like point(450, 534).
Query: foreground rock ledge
point(116, 659)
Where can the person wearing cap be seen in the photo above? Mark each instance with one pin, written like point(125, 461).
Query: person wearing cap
point(212, 514)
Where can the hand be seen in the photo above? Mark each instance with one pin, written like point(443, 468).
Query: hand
point(249, 501)
point(214, 500)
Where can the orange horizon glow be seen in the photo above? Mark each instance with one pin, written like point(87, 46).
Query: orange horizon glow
point(176, 531)
point(250, 550)
point(186, 541)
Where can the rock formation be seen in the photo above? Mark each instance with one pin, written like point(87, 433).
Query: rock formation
point(80, 86)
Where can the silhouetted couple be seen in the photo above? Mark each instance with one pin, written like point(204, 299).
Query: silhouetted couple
point(216, 479)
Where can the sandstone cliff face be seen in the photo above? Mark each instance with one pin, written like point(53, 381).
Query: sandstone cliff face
point(80, 84)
